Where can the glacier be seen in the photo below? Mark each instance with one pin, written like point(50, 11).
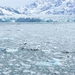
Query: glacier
point(40, 11)
point(38, 39)
point(38, 18)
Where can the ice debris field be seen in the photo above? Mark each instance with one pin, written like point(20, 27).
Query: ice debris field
point(37, 48)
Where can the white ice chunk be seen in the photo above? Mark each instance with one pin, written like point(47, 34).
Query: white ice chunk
point(53, 62)
point(11, 50)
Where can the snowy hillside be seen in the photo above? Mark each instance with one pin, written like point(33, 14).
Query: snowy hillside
point(40, 11)
point(43, 7)
point(8, 11)
point(50, 7)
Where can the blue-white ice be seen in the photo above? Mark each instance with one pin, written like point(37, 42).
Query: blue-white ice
point(37, 48)
point(53, 62)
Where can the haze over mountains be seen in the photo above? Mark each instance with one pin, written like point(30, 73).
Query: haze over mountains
point(58, 7)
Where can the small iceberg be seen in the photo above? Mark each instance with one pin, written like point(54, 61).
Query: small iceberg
point(53, 62)
point(11, 50)
point(6, 38)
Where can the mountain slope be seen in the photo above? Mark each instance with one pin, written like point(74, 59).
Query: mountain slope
point(50, 7)
point(42, 7)
point(8, 11)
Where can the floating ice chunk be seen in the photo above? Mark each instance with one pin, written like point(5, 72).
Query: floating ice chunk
point(6, 38)
point(11, 50)
point(43, 64)
point(26, 71)
point(55, 47)
point(1, 65)
point(53, 62)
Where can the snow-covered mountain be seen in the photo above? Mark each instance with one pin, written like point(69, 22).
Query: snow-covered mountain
point(8, 11)
point(42, 7)
point(49, 7)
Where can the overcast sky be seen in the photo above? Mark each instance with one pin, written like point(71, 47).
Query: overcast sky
point(15, 3)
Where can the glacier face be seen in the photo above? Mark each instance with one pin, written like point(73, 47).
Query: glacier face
point(66, 7)
point(40, 11)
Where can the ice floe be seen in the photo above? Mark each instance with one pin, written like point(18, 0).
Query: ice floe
point(53, 62)
point(11, 50)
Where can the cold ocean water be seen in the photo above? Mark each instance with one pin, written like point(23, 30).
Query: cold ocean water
point(37, 48)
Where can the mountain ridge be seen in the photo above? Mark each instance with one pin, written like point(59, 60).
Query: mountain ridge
point(43, 7)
